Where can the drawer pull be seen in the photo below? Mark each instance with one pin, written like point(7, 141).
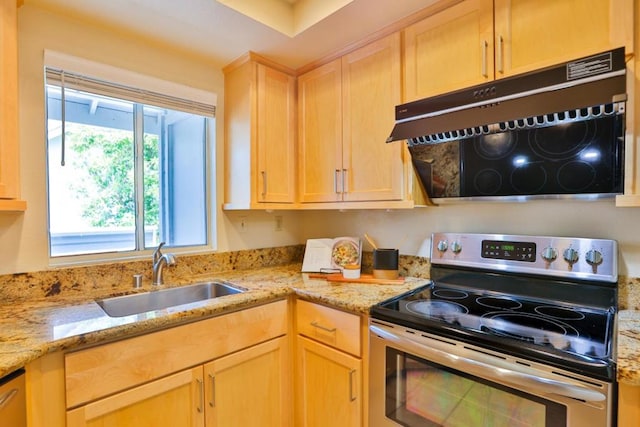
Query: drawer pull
point(484, 71)
point(212, 401)
point(344, 181)
point(200, 395)
point(500, 53)
point(6, 398)
point(324, 328)
point(352, 397)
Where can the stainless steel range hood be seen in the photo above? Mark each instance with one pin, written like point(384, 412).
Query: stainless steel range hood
point(553, 133)
point(525, 100)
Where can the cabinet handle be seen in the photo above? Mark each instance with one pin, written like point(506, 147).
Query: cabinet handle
point(264, 183)
point(324, 328)
point(6, 398)
point(344, 181)
point(499, 54)
point(212, 401)
point(201, 394)
point(352, 397)
point(485, 46)
point(335, 181)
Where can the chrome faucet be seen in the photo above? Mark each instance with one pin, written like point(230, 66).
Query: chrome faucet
point(159, 261)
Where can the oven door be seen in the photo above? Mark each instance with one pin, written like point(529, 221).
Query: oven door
point(434, 381)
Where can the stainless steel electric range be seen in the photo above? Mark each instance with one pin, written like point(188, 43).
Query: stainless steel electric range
point(511, 331)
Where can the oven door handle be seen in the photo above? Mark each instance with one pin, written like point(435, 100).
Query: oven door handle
point(492, 367)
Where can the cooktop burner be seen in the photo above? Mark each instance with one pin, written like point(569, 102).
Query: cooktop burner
point(582, 331)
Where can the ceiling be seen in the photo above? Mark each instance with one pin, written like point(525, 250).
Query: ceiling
point(290, 32)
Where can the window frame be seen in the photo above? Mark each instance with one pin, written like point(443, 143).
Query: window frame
point(125, 78)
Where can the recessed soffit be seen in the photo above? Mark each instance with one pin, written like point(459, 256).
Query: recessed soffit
point(289, 17)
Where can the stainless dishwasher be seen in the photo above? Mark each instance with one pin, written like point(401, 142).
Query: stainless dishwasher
point(13, 411)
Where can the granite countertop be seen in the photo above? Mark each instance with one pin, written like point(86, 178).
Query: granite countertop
point(30, 329)
point(628, 357)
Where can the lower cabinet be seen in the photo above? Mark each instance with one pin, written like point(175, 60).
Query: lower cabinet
point(628, 405)
point(224, 371)
point(330, 382)
point(248, 388)
point(176, 400)
point(329, 377)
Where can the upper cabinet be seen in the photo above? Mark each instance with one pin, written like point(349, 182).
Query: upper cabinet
point(260, 145)
point(346, 111)
point(9, 147)
point(532, 34)
point(449, 50)
point(320, 133)
point(475, 41)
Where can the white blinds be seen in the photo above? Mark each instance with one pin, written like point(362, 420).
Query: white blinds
point(74, 73)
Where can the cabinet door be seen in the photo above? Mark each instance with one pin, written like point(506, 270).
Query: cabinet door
point(8, 101)
point(450, 50)
point(320, 133)
point(532, 34)
point(176, 400)
point(330, 381)
point(249, 388)
point(628, 405)
point(275, 136)
point(371, 76)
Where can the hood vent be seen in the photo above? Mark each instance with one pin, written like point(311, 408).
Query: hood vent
point(553, 133)
point(545, 120)
point(588, 86)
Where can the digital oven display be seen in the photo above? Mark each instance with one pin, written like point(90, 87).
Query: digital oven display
point(513, 251)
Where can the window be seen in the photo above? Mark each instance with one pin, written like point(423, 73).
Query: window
point(127, 169)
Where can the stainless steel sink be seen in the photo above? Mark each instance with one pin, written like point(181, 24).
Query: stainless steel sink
point(164, 298)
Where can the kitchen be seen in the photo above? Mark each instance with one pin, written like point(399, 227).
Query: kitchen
point(24, 235)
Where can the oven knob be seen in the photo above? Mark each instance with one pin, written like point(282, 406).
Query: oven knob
point(456, 247)
point(549, 255)
point(571, 256)
point(442, 246)
point(594, 259)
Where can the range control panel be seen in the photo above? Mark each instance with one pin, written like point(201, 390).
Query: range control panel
point(516, 251)
point(570, 257)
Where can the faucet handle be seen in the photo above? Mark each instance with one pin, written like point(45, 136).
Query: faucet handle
point(157, 254)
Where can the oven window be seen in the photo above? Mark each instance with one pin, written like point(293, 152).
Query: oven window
point(422, 393)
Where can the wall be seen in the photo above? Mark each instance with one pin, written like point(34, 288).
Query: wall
point(23, 236)
point(407, 229)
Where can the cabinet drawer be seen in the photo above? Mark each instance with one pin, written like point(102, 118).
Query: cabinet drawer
point(330, 326)
point(99, 371)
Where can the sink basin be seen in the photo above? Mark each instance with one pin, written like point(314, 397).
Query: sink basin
point(164, 298)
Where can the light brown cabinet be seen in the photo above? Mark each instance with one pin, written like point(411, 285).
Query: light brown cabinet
point(346, 111)
point(330, 386)
point(450, 50)
point(477, 41)
point(628, 405)
point(250, 387)
point(260, 147)
point(192, 375)
point(175, 400)
point(531, 34)
point(330, 369)
point(9, 147)
point(246, 388)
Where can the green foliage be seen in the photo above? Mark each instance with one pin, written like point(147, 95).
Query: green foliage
point(105, 159)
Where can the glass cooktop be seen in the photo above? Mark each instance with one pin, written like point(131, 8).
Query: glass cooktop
point(520, 313)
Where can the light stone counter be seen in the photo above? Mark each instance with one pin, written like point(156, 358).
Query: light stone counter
point(30, 329)
point(629, 347)
point(55, 310)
